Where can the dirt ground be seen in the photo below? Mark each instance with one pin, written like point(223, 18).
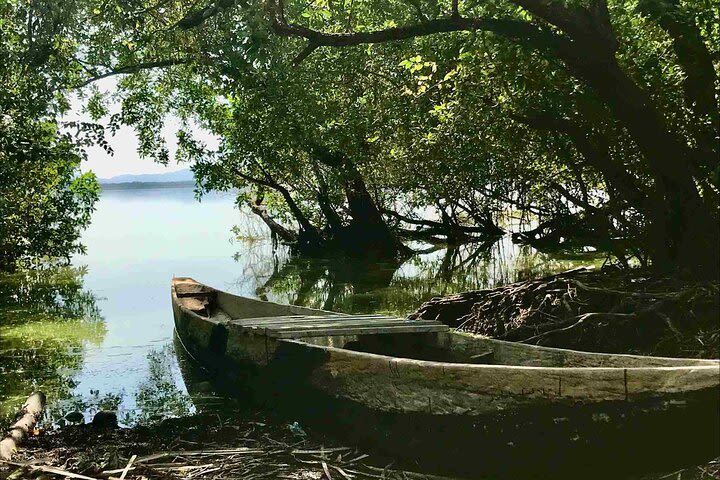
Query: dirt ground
point(201, 446)
point(209, 447)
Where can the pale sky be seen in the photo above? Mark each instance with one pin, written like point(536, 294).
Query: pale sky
point(124, 144)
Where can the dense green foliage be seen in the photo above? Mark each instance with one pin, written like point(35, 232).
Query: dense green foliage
point(44, 200)
point(599, 119)
point(350, 124)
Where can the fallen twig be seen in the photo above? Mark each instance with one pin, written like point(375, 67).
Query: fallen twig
point(49, 469)
point(189, 453)
point(326, 470)
point(25, 421)
point(127, 467)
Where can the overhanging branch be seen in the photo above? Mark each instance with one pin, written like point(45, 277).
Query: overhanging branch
point(516, 30)
point(195, 18)
point(130, 69)
point(595, 153)
point(311, 47)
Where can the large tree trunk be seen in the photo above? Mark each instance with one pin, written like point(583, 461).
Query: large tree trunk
point(685, 230)
point(367, 232)
point(368, 228)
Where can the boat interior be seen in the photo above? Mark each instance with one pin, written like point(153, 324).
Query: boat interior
point(393, 337)
point(456, 347)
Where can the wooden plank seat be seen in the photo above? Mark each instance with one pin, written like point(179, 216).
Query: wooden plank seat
point(298, 326)
point(194, 296)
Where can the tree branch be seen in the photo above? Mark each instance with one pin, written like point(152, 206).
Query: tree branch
point(596, 156)
point(270, 182)
point(438, 227)
point(256, 181)
point(574, 198)
point(311, 47)
point(514, 29)
point(198, 17)
point(130, 69)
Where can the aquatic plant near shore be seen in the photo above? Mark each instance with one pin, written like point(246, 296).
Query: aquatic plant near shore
point(46, 320)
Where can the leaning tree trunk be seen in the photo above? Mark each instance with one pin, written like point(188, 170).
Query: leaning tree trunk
point(276, 230)
point(686, 232)
point(308, 239)
point(25, 421)
point(368, 230)
point(367, 233)
point(685, 229)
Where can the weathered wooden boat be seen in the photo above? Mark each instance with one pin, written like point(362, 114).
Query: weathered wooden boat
point(420, 376)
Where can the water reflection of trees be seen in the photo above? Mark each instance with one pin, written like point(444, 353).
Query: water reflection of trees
point(46, 320)
point(158, 396)
point(357, 286)
point(88, 405)
point(330, 284)
point(53, 290)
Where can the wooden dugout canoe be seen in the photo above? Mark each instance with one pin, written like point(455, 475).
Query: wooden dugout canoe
point(429, 374)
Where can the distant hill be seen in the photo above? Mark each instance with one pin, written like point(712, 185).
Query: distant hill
point(145, 185)
point(180, 176)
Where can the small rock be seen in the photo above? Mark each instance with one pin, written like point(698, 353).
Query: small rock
point(75, 417)
point(105, 420)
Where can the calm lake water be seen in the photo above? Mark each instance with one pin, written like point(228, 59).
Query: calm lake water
point(104, 340)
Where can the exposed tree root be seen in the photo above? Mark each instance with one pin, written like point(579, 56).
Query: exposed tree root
point(609, 310)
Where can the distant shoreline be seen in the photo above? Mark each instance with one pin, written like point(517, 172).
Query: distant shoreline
point(146, 185)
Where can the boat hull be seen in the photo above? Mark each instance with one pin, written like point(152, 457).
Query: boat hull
point(648, 411)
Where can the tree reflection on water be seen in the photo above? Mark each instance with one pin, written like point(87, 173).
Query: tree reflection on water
point(46, 321)
point(158, 395)
point(357, 286)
